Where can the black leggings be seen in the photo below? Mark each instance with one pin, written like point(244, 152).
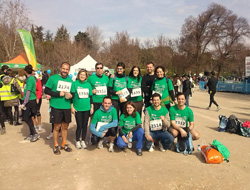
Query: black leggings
point(111, 132)
point(28, 114)
point(212, 99)
point(118, 106)
point(2, 115)
point(82, 118)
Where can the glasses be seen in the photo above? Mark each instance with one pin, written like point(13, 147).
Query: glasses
point(98, 67)
point(119, 69)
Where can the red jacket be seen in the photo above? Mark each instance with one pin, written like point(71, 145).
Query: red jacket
point(39, 90)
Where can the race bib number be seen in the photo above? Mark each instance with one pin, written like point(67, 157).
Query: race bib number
point(63, 86)
point(155, 125)
point(83, 92)
point(99, 124)
point(136, 92)
point(180, 121)
point(101, 90)
point(157, 93)
point(125, 93)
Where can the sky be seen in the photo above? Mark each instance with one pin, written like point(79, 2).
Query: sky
point(143, 19)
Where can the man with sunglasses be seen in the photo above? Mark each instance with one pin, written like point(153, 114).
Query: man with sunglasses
point(99, 83)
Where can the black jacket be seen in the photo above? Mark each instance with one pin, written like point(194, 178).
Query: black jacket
point(186, 87)
point(146, 84)
point(212, 82)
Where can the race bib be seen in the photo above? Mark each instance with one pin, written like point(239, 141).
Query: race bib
point(125, 93)
point(180, 121)
point(155, 125)
point(136, 92)
point(101, 90)
point(99, 124)
point(157, 92)
point(83, 92)
point(63, 86)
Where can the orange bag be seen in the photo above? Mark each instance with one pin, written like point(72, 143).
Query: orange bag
point(211, 155)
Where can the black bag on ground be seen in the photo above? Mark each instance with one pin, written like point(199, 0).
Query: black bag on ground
point(233, 124)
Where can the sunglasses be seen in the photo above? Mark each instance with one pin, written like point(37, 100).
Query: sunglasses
point(98, 67)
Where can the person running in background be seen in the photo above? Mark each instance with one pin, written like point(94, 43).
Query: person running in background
point(211, 84)
point(135, 80)
point(82, 106)
point(130, 128)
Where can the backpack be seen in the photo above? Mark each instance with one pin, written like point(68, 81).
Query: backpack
point(126, 78)
point(211, 155)
point(233, 124)
point(245, 129)
point(222, 123)
point(221, 148)
point(185, 144)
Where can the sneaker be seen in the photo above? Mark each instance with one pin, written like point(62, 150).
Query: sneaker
point(139, 152)
point(34, 138)
point(100, 144)
point(130, 145)
point(78, 145)
point(17, 123)
point(50, 136)
point(111, 147)
point(83, 145)
point(56, 150)
point(66, 148)
point(39, 128)
point(151, 149)
point(161, 147)
point(28, 138)
point(3, 131)
point(208, 108)
point(218, 108)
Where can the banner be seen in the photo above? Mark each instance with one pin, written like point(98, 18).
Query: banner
point(29, 47)
point(247, 66)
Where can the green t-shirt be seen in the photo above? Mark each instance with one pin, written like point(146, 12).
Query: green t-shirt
point(106, 117)
point(181, 117)
point(162, 87)
point(155, 114)
point(57, 84)
point(118, 84)
point(136, 94)
point(83, 91)
point(128, 123)
point(31, 86)
point(100, 84)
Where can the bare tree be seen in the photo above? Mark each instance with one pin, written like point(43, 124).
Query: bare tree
point(96, 37)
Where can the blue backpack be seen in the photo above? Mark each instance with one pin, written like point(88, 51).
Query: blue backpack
point(222, 123)
point(185, 144)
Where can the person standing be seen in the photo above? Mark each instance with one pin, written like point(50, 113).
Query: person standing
point(59, 87)
point(186, 88)
point(29, 104)
point(211, 84)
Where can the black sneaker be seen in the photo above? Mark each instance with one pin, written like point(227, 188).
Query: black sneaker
point(35, 137)
point(17, 123)
point(139, 152)
point(56, 150)
point(66, 148)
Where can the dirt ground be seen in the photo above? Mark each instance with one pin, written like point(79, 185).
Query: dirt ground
point(26, 165)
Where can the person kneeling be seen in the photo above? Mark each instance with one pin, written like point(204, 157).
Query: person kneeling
point(130, 128)
point(104, 124)
point(156, 124)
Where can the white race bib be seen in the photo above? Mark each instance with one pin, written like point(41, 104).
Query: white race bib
point(157, 92)
point(101, 90)
point(83, 92)
point(155, 125)
point(136, 92)
point(63, 86)
point(125, 93)
point(180, 121)
point(99, 124)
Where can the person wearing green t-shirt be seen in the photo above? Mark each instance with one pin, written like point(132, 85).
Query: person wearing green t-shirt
point(82, 106)
point(119, 88)
point(181, 117)
point(104, 124)
point(59, 87)
point(156, 124)
point(29, 105)
point(163, 86)
point(135, 81)
point(99, 83)
point(130, 128)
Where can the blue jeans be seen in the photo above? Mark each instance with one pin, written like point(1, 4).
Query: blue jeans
point(164, 136)
point(137, 136)
point(187, 100)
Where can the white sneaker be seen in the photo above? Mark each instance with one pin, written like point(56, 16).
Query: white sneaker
point(50, 136)
point(130, 145)
point(39, 128)
point(100, 144)
point(208, 108)
point(161, 147)
point(78, 145)
point(83, 145)
point(218, 108)
point(111, 147)
point(151, 148)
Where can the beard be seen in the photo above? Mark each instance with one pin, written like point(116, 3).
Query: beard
point(64, 76)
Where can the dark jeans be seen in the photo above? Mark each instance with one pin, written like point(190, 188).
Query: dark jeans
point(82, 118)
point(111, 132)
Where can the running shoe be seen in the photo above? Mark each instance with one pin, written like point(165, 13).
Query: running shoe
point(111, 147)
point(35, 137)
point(39, 128)
point(83, 145)
point(161, 147)
point(218, 108)
point(139, 152)
point(78, 145)
point(3, 131)
point(66, 148)
point(50, 136)
point(208, 108)
point(28, 138)
point(56, 150)
point(100, 144)
point(151, 149)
